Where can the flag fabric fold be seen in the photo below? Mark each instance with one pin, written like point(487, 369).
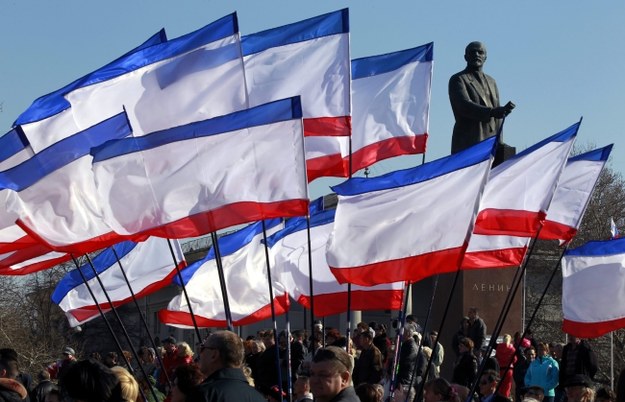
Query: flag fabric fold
point(309, 58)
point(573, 193)
point(390, 105)
point(519, 190)
point(148, 266)
point(245, 271)
point(289, 248)
point(53, 192)
point(493, 251)
point(401, 223)
point(195, 179)
point(593, 288)
point(194, 77)
point(30, 259)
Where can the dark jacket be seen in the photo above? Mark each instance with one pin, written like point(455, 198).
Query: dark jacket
point(585, 361)
point(472, 102)
point(368, 367)
point(12, 391)
point(38, 394)
point(477, 332)
point(225, 385)
point(412, 364)
point(346, 395)
point(465, 371)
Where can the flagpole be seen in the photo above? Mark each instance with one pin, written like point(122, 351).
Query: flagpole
point(349, 285)
point(222, 281)
point(273, 308)
point(401, 319)
point(310, 275)
point(289, 357)
point(121, 324)
point(184, 290)
point(143, 319)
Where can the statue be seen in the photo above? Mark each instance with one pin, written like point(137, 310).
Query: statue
point(475, 102)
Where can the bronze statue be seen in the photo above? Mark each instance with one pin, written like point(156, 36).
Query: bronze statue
point(475, 101)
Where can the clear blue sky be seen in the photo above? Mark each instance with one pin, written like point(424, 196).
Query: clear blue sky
point(557, 60)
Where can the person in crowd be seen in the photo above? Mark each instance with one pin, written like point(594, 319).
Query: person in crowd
point(185, 354)
point(505, 354)
point(147, 359)
point(368, 368)
point(91, 381)
point(57, 369)
point(578, 388)
point(382, 342)
point(487, 387)
point(520, 369)
point(543, 372)
point(465, 369)
point(535, 392)
point(605, 394)
point(171, 360)
point(128, 384)
point(24, 378)
point(301, 389)
point(577, 358)
point(275, 394)
point(369, 392)
point(330, 376)
point(463, 332)
point(412, 363)
point(620, 387)
point(221, 359)
point(253, 351)
point(439, 389)
point(43, 388)
point(187, 377)
point(477, 328)
point(438, 353)
point(111, 359)
point(54, 396)
point(149, 389)
point(11, 390)
point(266, 376)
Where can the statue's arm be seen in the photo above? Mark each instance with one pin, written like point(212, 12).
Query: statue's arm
point(463, 104)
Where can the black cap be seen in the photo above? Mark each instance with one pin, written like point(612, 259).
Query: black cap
point(170, 339)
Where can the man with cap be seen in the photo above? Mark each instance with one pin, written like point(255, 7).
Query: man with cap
point(58, 369)
point(578, 388)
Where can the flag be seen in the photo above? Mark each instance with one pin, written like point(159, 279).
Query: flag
point(290, 250)
point(495, 251)
point(29, 260)
point(573, 193)
point(195, 179)
point(14, 149)
point(245, 271)
point(519, 190)
point(325, 157)
point(149, 266)
point(593, 288)
point(48, 121)
point(410, 224)
point(613, 229)
point(53, 193)
point(308, 58)
point(194, 77)
point(390, 105)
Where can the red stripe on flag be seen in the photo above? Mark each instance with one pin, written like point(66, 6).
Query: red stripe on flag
point(36, 267)
point(228, 215)
point(361, 300)
point(389, 148)
point(411, 269)
point(556, 231)
point(591, 329)
point(503, 258)
point(281, 304)
point(22, 242)
point(326, 166)
point(508, 222)
point(328, 126)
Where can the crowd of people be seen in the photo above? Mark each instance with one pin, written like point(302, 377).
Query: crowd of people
point(324, 366)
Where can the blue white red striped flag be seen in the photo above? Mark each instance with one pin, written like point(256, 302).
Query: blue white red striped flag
point(245, 271)
point(289, 247)
point(195, 179)
point(148, 266)
point(593, 288)
point(399, 227)
point(30, 259)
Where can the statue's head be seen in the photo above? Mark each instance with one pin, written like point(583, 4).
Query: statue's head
point(475, 55)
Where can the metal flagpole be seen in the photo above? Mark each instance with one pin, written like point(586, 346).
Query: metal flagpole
point(222, 281)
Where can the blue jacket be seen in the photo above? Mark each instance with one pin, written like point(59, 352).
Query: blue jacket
point(544, 372)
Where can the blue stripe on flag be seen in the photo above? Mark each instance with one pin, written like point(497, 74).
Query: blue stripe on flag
point(299, 224)
point(103, 261)
point(333, 23)
point(268, 113)
point(228, 244)
point(63, 152)
point(601, 154)
point(468, 157)
point(11, 143)
point(54, 102)
point(562, 136)
point(599, 248)
point(380, 64)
